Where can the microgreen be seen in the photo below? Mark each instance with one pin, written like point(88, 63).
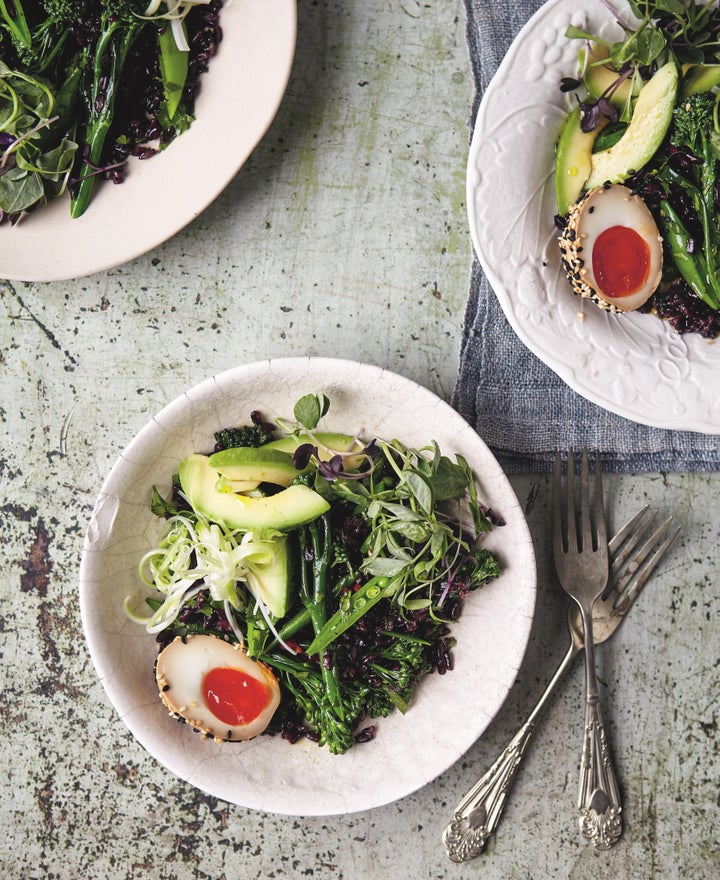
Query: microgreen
point(686, 32)
point(310, 409)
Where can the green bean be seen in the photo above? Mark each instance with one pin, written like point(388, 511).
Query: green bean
point(692, 267)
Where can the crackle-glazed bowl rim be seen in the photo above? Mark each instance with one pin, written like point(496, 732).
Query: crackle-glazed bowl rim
point(448, 713)
point(633, 365)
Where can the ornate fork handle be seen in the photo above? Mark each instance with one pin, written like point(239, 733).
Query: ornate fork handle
point(599, 803)
point(478, 814)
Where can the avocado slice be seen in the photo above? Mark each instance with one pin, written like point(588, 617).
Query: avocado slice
point(271, 583)
point(702, 78)
point(286, 510)
point(648, 126)
point(598, 78)
point(573, 160)
point(328, 444)
point(262, 465)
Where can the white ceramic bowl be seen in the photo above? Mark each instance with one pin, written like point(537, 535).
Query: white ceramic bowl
point(448, 713)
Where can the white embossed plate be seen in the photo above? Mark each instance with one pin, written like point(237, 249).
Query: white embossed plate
point(239, 96)
point(449, 712)
point(633, 365)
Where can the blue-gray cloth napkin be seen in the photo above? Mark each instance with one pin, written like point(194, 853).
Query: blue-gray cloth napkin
point(520, 407)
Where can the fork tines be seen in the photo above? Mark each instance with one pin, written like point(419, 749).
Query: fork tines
point(591, 530)
point(635, 551)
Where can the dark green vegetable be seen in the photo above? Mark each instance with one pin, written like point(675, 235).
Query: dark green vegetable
point(688, 211)
point(692, 267)
point(173, 69)
point(256, 434)
point(15, 22)
point(315, 549)
point(312, 703)
point(356, 606)
point(119, 27)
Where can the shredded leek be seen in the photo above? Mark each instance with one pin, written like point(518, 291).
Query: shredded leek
point(194, 555)
point(175, 12)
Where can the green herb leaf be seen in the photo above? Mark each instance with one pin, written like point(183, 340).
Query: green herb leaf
point(675, 7)
point(574, 33)
point(413, 531)
point(649, 45)
point(159, 506)
point(449, 480)
point(420, 489)
point(310, 409)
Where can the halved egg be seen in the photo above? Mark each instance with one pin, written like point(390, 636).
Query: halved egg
point(612, 249)
point(216, 687)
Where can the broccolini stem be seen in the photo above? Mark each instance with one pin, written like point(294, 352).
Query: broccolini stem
point(17, 26)
point(115, 41)
point(297, 622)
point(313, 589)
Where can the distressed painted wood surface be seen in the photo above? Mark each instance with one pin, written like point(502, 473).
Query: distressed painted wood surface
point(345, 235)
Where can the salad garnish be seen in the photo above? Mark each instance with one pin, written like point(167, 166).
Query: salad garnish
point(347, 599)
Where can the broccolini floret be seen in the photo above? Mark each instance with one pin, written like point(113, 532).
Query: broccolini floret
point(693, 120)
point(246, 435)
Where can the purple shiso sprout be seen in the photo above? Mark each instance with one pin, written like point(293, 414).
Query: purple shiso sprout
point(611, 9)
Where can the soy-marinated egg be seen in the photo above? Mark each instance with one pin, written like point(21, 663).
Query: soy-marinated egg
point(612, 249)
point(216, 687)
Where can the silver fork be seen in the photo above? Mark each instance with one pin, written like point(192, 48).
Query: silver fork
point(635, 551)
point(581, 556)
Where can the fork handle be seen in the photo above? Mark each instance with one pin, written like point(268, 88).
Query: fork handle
point(599, 803)
point(599, 798)
point(478, 814)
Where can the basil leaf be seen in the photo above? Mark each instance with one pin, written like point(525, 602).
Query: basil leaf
point(20, 190)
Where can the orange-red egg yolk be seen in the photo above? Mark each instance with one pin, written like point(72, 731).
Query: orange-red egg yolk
point(621, 261)
point(233, 696)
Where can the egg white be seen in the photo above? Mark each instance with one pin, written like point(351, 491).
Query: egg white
point(180, 672)
point(599, 210)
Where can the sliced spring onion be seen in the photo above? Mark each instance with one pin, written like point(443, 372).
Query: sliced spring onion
point(197, 554)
